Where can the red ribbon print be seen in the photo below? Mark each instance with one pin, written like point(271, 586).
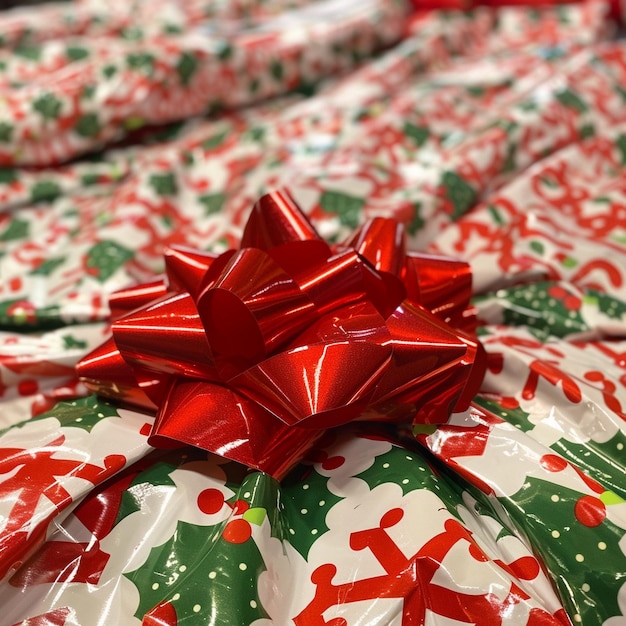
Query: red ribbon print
point(253, 353)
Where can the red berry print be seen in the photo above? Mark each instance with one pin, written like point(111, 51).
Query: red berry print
point(237, 531)
point(240, 507)
point(210, 501)
point(590, 511)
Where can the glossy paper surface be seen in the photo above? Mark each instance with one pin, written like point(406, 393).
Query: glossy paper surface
point(495, 137)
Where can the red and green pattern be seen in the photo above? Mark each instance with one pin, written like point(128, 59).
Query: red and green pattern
point(495, 135)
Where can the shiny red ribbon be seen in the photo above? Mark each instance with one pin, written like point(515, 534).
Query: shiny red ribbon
point(252, 354)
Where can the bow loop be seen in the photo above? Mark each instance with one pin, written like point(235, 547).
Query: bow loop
point(250, 309)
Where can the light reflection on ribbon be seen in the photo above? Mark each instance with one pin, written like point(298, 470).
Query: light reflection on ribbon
point(252, 354)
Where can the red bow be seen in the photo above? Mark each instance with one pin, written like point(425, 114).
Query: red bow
point(252, 354)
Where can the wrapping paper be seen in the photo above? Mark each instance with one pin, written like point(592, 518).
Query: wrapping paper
point(496, 136)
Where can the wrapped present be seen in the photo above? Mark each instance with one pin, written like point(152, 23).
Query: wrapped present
point(490, 495)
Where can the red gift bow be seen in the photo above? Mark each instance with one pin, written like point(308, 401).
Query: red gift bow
point(252, 354)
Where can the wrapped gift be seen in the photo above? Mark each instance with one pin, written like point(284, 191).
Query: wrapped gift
point(405, 479)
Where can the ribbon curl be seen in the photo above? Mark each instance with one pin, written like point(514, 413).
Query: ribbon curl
point(253, 353)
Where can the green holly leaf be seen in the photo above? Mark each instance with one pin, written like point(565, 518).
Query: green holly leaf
point(476, 90)
point(411, 471)
point(48, 266)
point(105, 257)
point(156, 475)
point(215, 141)
point(620, 144)
point(495, 215)
point(277, 70)
point(225, 50)
point(17, 229)
point(88, 92)
point(8, 175)
point(509, 162)
point(586, 131)
point(164, 184)
point(199, 573)
point(141, 61)
point(346, 206)
point(132, 33)
point(459, 192)
point(548, 181)
point(515, 416)
point(186, 67)
point(419, 134)
point(30, 52)
point(6, 132)
point(609, 305)
point(90, 178)
point(168, 132)
point(537, 246)
point(70, 342)
point(256, 133)
point(212, 202)
point(578, 544)
point(306, 501)
point(76, 53)
point(109, 70)
point(417, 221)
point(603, 461)
point(82, 413)
point(48, 105)
point(261, 492)
point(572, 100)
point(88, 125)
point(45, 191)
point(544, 307)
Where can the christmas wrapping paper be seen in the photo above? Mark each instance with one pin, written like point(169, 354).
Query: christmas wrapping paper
point(496, 136)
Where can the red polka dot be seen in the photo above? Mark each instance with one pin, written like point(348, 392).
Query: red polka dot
point(210, 501)
point(146, 429)
point(240, 507)
point(590, 511)
point(27, 387)
point(333, 462)
point(237, 531)
point(553, 463)
point(525, 568)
